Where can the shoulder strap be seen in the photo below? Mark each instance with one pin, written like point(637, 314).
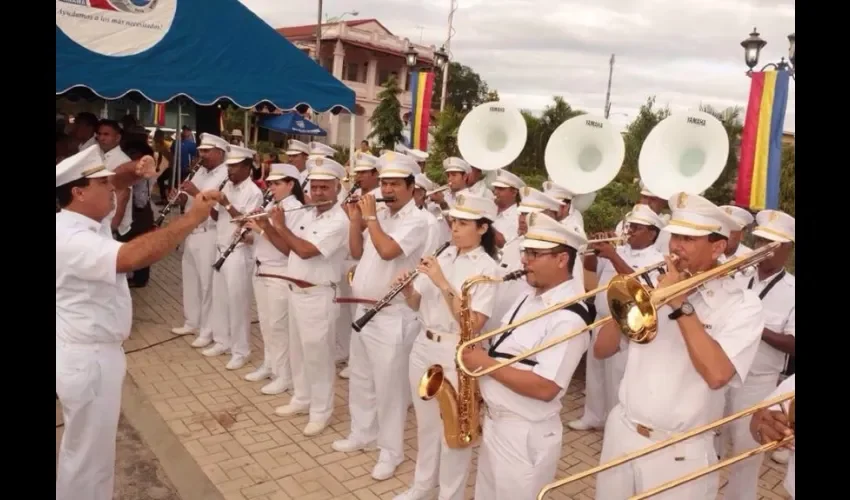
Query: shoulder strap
point(769, 286)
point(587, 312)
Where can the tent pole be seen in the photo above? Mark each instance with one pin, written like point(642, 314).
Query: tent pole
point(178, 146)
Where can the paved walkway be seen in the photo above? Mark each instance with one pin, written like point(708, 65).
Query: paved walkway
point(250, 453)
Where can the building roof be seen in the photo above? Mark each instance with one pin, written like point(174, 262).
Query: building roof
point(308, 30)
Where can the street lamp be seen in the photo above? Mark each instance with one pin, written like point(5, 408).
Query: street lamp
point(441, 57)
point(410, 55)
point(752, 50)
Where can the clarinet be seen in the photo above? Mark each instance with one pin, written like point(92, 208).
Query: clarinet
point(173, 203)
point(229, 250)
point(351, 191)
point(384, 302)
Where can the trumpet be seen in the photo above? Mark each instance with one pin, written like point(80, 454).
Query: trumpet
point(617, 240)
point(263, 215)
point(791, 415)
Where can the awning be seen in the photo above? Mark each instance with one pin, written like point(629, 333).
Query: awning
point(203, 50)
point(291, 123)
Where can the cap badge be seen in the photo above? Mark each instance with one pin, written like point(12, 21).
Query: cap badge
point(682, 201)
point(459, 200)
point(772, 216)
point(318, 162)
point(532, 217)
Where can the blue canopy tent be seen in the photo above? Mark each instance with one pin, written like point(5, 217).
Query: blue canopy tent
point(291, 123)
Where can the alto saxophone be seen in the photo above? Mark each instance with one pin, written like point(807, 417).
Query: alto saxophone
point(460, 410)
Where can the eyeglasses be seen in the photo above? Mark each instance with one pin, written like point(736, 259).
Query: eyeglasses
point(532, 253)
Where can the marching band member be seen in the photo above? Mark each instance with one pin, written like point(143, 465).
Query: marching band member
point(657, 205)
point(506, 189)
point(776, 289)
point(435, 294)
point(318, 150)
point(522, 433)
point(771, 425)
point(438, 233)
point(476, 184)
point(296, 154)
point(705, 341)
point(232, 283)
point(271, 256)
point(366, 174)
point(317, 248)
point(565, 196)
point(744, 218)
point(199, 251)
point(94, 314)
point(456, 174)
point(393, 241)
point(639, 251)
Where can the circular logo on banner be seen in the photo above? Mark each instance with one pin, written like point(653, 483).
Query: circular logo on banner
point(115, 27)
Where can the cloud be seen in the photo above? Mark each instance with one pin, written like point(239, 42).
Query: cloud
point(686, 53)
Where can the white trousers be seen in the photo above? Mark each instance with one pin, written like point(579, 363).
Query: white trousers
point(312, 321)
point(436, 463)
point(199, 254)
point(744, 475)
point(343, 323)
point(232, 300)
point(517, 457)
point(89, 378)
point(594, 388)
point(655, 469)
point(272, 296)
point(379, 393)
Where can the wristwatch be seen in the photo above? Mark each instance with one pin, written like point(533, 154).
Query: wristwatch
point(369, 218)
point(686, 309)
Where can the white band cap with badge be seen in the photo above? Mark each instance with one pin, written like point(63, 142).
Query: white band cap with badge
point(544, 233)
point(238, 154)
point(87, 164)
point(423, 182)
point(505, 179)
point(472, 207)
point(417, 155)
point(364, 162)
point(742, 216)
point(210, 141)
point(645, 216)
point(297, 147)
point(646, 192)
point(557, 191)
point(534, 201)
point(774, 225)
point(319, 149)
point(280, 171)
point(324, 169)
point(455, 164)
point(393, 165)
point(693, 215)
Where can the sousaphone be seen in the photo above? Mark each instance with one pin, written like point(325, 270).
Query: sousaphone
point(491, 136)
point(584, 154)
point(685, 152)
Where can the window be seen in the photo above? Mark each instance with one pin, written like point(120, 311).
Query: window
point(351, 72)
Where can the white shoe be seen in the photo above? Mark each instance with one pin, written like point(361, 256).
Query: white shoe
point(383, 471)
point(415, 493)
point(201, 342)
point(314, 428)
point(276, 386)
point(345, 372)
point(292, 409)
point(781, 456)
point(236, 362)
point(216, 350)
point(183, 330)
point(350, 446)
point(580, 425)
point(260, 373)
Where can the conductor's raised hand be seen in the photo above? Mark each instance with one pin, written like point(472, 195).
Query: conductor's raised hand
point(203, 203)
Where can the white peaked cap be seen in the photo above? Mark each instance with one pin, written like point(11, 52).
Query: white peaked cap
point(645, 216)
point(774, 225)
point(297, 147)
point(557, 191)
point(239, 154)
point(210, 141)
point(422, 181)
point(693, 215)
point(506, 179)
point(535, 201)
point(472, 207)
point(364, 162)
point(455, 164)
point(544, 232)
point(324, 169)
point(280, 171)
point(393, 165)
point(741, 215)
point(319, 149)
point(417, 154)
point(88, 163)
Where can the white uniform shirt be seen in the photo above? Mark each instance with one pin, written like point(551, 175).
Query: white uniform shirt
point(433, 309)
point(91, 142)
point(264, 251)
point(205, 180)
point(328, 232)
point(93, 303)
point(114, 158)
point(375, 276)
point(507, 222)
point(661, 389)
point(787, 385)
point(662, 243)
point(481, 190)
point(780, 315)
point(557, 363)
point(636, 259)
point(245, 198)
point(435, 233)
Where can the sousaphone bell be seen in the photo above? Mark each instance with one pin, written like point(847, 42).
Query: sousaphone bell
point(584, 154)
point(491, 136)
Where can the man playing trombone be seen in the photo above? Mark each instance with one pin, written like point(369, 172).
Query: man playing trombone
point(705, 341)
point(523, 432)
point(772, 424)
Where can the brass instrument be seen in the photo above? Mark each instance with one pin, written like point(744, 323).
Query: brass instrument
point(263, 215)
point(616, 241)
point(460, 409)
point(683, 437)
point(350, 274)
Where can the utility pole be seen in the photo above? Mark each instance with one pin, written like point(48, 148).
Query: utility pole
point(452, 10)
point(319, 35)
point(608, 94)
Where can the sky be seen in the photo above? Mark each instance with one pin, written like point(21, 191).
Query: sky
point(685, 52)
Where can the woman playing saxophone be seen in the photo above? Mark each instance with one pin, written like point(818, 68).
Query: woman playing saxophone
point(435, 295)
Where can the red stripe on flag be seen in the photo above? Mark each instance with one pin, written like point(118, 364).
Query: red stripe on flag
point(748, 142)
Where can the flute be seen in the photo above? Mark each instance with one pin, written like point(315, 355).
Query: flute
point(173, 202)
point(263, 215)
point(229, 250)
point(387, 199)
point(384, 302)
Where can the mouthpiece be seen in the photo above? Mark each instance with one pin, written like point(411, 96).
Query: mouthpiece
point(514, 275)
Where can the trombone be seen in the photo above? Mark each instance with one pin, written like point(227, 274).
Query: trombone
point(683, 437)
point(632, 306)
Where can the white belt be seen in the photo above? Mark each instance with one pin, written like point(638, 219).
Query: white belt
point(92, 347)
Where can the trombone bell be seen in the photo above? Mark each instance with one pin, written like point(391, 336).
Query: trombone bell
point(631, 307)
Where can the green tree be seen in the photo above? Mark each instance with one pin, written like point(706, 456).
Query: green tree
point(721, 192)
point(444, 144)
point(787, 196)
point(492, 96)
point(386, 120)
point(465, 88)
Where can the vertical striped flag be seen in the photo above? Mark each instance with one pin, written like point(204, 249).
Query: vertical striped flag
point(421, 87)
point(158, 111)
point(761, 141)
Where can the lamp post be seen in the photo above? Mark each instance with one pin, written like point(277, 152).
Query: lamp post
point(752, 50)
